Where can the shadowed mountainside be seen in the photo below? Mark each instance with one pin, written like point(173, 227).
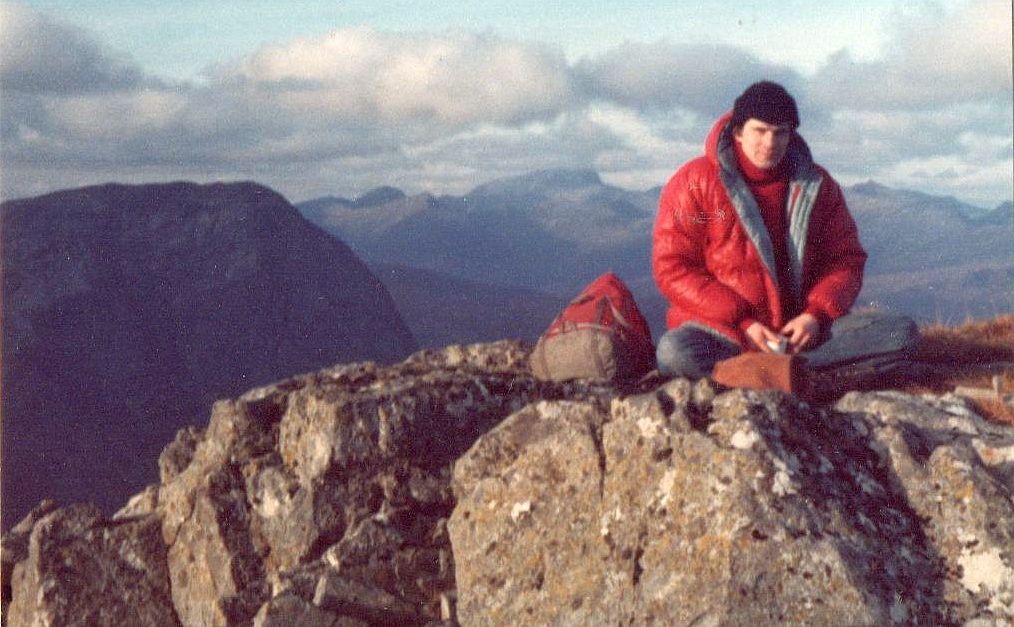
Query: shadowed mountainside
point(934, 257)
point(129, 309)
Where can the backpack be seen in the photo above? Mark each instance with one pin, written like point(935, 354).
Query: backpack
point(601, 335)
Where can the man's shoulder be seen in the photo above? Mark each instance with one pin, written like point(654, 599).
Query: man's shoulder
point(827, 182)
point(815, 169)
point(694, 170)
point(700, 163)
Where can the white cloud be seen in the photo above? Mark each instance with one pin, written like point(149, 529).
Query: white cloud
point(703, 78)
point(936, 59)
point(951, 175)
point(45, 55)
point(933, 112)
point(628, 127)
point(862, 135)
point(110, 116)
point(954, 150)
point(377, 77)
point(361, 107)
point(354, 93)
point(984, 148)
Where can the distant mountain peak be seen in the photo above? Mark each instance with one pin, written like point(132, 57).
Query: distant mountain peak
point(379, 196)
point(565, 177)
point(870, 187)
point(540, 182)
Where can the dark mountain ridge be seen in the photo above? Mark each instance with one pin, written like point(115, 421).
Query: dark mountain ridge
point(129, 309)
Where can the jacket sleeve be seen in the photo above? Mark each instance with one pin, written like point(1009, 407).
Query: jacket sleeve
point(838, 258)
point(677, 258)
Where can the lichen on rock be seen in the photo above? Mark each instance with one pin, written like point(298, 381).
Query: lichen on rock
point(456, 487)
point(753, 509)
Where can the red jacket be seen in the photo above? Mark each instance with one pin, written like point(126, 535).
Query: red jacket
point(712, 256)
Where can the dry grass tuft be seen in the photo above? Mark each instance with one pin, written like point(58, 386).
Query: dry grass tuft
point(974, 342)
point(967, 355)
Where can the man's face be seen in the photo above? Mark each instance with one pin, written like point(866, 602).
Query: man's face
point(764, 144)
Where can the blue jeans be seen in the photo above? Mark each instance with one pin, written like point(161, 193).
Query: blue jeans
point(862, 338)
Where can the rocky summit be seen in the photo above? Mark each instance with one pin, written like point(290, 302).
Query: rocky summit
point(454, 488)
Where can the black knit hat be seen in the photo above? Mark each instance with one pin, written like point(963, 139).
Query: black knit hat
point(768, 102)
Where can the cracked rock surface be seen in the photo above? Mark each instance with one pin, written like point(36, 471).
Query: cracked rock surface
point(322, 499)
point(455, 488)
point(685, 507)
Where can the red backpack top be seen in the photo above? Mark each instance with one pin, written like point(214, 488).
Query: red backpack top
point(600, 335)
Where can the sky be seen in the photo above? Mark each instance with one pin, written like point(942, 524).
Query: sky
point(319, 98)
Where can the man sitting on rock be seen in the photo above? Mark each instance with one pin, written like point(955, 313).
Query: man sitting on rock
point(760, 259)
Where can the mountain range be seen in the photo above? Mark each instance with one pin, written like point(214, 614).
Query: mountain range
point(931, 257)
point(128, 310)
point(935, 257)
point(551, 231)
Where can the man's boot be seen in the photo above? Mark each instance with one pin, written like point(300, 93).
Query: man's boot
point(764, 371)
point(829, 384)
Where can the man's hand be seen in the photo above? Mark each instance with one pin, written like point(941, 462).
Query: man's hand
point(801, 331)
point(760, 335)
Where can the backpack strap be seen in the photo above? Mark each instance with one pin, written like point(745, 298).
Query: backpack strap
point(600, 310)
point(620, 320)
point(592, 347)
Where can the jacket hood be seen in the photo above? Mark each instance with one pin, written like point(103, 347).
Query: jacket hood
point(711, 143)
point(719, 147)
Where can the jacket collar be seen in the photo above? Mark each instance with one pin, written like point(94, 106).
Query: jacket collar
point(804, 183)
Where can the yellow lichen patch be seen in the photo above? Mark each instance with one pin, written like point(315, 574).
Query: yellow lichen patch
point(711, 551)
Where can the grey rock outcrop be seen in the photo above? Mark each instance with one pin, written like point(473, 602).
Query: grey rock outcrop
point(83, 570)
point(454, 487)
point(746, 508)
point(321, 499)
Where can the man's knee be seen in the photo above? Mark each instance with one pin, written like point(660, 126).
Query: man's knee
point(890, 331)
point(904, 333)
point(865, 336)
point(671, 355)
point(692, 353)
